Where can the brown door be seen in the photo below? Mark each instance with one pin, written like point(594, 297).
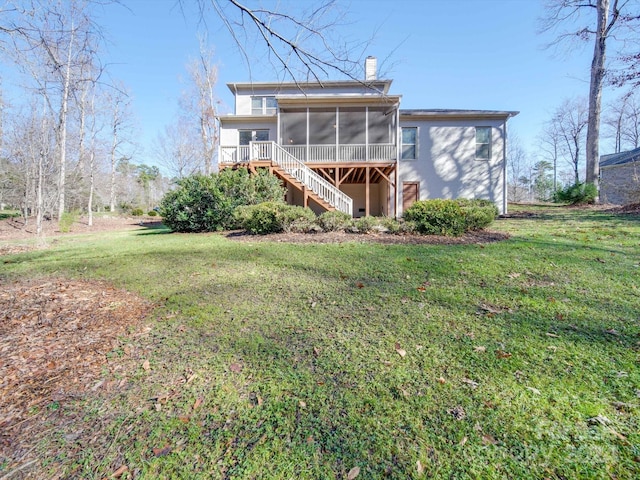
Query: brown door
point(410, 194)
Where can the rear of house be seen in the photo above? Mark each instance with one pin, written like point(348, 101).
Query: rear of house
point(347, 145)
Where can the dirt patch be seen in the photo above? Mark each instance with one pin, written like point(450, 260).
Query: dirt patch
point(632, 209)
point(483, 236)
point(17, 229)
point(60, 340)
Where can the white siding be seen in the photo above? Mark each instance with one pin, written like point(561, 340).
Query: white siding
point(229, 133)
point(446, 166)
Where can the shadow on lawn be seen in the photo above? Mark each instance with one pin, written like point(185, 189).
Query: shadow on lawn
point(154, 228)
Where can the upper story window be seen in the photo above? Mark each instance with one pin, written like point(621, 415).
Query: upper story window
point(409, 143)
point(263, 105)
point(483, 143)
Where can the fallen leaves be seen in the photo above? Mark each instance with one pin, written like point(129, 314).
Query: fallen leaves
point(61, 338)
point(162, 451)
point(488, 309)
point(480, 349)
point(488, 439)
point(236, 367)
point(353, 473)
point(471, 383)
point(197, 403)
point(146, 366)
point(400, 351)
point(457, 412)
point(502, 354)
point(119, 471)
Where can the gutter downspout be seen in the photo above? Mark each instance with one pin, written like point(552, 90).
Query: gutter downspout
point(398, 154)
point(505, 186)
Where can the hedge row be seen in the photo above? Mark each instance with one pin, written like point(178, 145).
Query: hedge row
point(234, 199)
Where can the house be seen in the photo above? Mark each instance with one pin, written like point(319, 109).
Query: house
point(620, 177)
point(347, 145)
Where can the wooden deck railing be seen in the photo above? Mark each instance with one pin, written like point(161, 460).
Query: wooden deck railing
point(319, 153)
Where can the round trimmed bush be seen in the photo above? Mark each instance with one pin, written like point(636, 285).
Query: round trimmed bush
point(272, 217)
point(450, 217)
point(137, 212)
point(334, 221)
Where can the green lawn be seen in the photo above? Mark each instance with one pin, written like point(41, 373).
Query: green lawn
point(517, 359)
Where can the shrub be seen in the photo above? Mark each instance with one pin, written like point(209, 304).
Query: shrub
point(390, 224)
point(67, 219)
point(578, 193)
point(296, 219)
point(206, 203)
point(365, 224)
point(273, 217)
point(137, 212)
point(334, 221)
point(152, 213)
point(436, 217)
point(450, 217)
point(478, 213)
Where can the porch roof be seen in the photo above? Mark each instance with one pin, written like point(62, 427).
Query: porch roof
point(344, 99)
point(230, 118)
point(379, 85)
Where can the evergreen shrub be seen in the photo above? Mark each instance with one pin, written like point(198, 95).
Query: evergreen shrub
point(576, 194)
point(450, 217)
point(206, 203)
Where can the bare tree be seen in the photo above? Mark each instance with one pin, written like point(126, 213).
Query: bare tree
point(570, 120)
point(622, 119)
point(603, 18)
point(52, 44)
point(549, 143)
point(202, 102)
point(517, 164)
point(120, 103)
point(175, 150)
point(296, 37)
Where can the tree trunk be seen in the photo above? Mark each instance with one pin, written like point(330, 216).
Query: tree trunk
point(112, 196)
point(595, 94)
point(62, 129)
point(91, 187)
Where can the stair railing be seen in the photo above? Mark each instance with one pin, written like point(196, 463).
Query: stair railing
point(297, 169)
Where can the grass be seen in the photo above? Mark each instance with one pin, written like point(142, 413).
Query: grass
point(521, 357)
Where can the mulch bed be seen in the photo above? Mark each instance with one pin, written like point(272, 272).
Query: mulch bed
point(57, 339)
point(483, 236)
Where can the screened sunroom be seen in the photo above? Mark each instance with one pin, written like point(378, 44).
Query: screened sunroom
point(340, 133)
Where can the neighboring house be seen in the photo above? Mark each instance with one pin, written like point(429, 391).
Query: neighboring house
point(620, 177)
point(347, 145)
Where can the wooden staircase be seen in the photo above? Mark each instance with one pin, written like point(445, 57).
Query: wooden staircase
point(292, 170)
point(307, 192)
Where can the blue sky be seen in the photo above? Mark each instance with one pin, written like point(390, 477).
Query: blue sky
point(475, 54)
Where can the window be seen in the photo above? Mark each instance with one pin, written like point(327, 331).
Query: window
point(483, 143)
point(409, 143)
point(263, 105)
point(247, 136)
